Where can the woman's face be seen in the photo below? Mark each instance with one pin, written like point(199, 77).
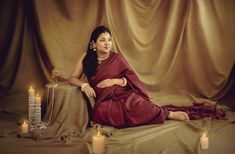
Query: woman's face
point(104, 43)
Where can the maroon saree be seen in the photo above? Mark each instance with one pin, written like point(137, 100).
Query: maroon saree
point(130, 105)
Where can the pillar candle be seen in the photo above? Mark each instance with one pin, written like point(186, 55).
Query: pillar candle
point(98, 143)
point(31, 105)
point(24, 127)
point(37, 109)
point(204, 141)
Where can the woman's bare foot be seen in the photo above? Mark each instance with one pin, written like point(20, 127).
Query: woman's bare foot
point(178, 115)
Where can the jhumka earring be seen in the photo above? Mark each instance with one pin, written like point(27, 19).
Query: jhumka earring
point(92, 45)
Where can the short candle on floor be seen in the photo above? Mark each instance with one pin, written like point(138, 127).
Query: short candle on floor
point(98, 143)
point(204, 141)
point(24, 127)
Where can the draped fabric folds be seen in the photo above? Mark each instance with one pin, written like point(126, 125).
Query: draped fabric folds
point(12, 30)
point(130, 105)
point(120, 106)
point(176, 47)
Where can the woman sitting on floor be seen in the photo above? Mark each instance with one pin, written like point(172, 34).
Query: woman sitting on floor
point(120, 98)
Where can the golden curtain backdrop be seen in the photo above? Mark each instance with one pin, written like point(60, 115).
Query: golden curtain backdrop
point(181, 46)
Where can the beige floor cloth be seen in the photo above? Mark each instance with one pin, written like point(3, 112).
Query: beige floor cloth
point(67, 117)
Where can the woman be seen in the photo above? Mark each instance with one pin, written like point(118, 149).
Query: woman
point(121, 100)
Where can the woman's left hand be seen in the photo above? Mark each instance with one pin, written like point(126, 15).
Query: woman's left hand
point(106, 83)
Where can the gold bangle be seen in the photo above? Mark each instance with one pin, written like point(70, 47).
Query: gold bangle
point(124, 82)
point(83, 86)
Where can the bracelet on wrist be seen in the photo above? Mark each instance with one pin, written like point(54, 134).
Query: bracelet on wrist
point(124, 82)
point(83, 86)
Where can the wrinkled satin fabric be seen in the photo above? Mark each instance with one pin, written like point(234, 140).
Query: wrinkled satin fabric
point(130, 105)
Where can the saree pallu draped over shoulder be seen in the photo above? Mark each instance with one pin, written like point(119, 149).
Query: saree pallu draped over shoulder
point(126, 106)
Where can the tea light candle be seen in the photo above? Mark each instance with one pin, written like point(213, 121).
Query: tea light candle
point(24, 127)
point(204, 141)
point(98, 143)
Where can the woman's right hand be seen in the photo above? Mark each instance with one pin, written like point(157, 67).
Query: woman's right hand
point(89, 91)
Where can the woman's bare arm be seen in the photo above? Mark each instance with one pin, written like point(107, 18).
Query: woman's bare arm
point(75, 80)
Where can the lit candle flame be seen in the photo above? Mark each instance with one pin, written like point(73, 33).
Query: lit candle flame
point(204, 134)
point(98, 130)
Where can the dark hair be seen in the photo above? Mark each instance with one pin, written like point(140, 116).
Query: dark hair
point(90, 61)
